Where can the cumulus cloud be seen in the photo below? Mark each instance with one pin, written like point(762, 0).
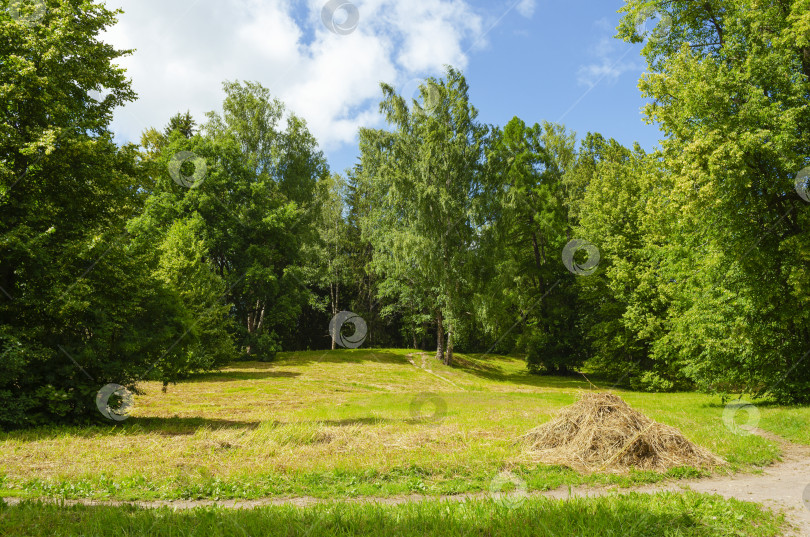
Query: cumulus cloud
point(185, 50)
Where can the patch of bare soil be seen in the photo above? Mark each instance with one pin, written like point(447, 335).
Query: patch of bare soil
point(781, 485)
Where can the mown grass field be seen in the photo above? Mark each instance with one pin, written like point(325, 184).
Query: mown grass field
point(344, 424)
point(365, 424)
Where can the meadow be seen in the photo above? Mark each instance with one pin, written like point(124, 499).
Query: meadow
point(357, 425)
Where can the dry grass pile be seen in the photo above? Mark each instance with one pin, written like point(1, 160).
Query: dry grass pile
point(601, 432)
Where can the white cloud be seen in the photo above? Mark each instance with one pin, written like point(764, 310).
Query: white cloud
point(610, 55)
point(526, 8)
point(184, 51)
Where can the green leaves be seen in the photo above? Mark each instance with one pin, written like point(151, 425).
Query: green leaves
point(75, 291)
point(243, 223)
point(730, 89)
point(425, 178)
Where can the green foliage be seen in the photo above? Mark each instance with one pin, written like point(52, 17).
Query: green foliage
point(181, 266)
point(425, 178)
point(243, 235)
point(74, 289)
point(328, 261)
point(111, 270)
point(525, 234)
point(261, 256)
point(183, 123)
point(113, 267)
point(623, 304)
point(733, 105)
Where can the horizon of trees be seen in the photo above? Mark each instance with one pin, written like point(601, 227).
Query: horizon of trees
point(232, 239)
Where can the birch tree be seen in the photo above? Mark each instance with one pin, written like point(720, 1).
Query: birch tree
point(428, 172)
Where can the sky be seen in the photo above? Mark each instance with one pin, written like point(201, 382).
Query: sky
point(536, 59)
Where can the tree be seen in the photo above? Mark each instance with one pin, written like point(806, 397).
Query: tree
point(283, 166)
point(331, 253)
point(279, 147)
point(249, 231)
point(426, 175)
point(385, 315)
point(179, 262)
point(729, 86)
point(183, 123)
point(624, 305)
point(80, 307)
point(525, 235)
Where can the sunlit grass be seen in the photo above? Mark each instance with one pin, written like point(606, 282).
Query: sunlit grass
point(343, 423)
point(633, 515)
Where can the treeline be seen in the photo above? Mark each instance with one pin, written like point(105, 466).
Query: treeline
point(228, 237)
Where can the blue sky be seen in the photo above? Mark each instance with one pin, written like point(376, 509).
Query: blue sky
point(563, 65)
point(536, 59)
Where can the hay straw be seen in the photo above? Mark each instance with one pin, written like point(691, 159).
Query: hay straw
point(600, 431)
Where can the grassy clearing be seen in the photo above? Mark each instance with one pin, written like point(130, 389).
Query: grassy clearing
point(632, 515)
point(345, 424)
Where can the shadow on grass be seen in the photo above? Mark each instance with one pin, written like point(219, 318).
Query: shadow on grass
point(474, 364)
point(528, 379)
point(230, 376)
point(236, 371)
point(343, 356)
point(176, 426)
point(371, 420)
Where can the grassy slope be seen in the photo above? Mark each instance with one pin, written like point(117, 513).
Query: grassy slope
point(341, 424)
point(627, 516)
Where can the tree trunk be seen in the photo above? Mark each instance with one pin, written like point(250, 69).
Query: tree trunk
point(250, 316)
point(450, 327)
point(255, 320)
point(261, 319)
point(449, 358)
point(334, 290)
point(439, 337)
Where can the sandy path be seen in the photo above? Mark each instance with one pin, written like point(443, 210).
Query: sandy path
point(780, 486)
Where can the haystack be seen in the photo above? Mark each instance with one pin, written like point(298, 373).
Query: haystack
point(601, 432)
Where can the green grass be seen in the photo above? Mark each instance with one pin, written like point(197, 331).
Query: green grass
point(632, 515)
point(339, 424)
point(787, 422)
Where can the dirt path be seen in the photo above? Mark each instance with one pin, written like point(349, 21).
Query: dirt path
point(780, 486)
point(425, 366)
